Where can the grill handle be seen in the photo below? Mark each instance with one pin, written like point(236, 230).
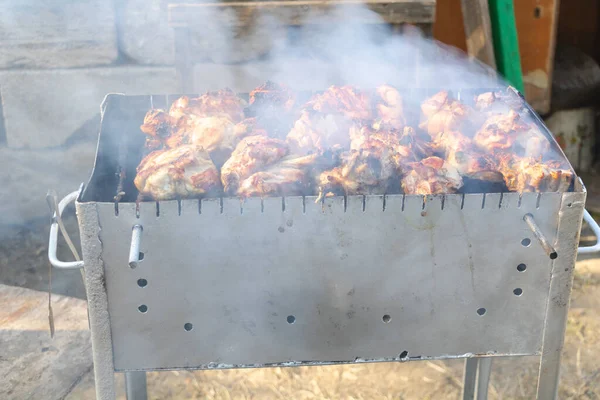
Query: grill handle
point(53, 241)
point(587, 217)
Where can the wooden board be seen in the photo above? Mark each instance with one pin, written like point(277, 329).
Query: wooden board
point(478, 31)
point(536, 25)
point(306, 11)
point(32, 365)
point(448, 27)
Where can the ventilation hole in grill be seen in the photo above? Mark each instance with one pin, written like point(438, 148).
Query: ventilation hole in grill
point(553, 255)
point(386, 318)
point(537, 12)
point(291, 319)
point(481, 311)
point(403, 355)
point(518, 291)
point(521, 267)
point(143, 308)
point(141, 256)
point(142, 282)
point(188, 326)
point(526, 242)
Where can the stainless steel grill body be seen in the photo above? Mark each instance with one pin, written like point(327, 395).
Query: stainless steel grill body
point(236, 272)
point(221, 283)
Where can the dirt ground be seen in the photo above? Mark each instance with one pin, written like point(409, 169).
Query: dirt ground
point(24, 263)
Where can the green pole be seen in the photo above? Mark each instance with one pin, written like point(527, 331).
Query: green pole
point(506, 43)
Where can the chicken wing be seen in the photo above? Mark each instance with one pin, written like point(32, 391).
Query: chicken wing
point(252, 154)
point(185, 171)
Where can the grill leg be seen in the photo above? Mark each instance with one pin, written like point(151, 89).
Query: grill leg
point(483, 377)
point(470, 378)
point(477, 378)
point(135, 385)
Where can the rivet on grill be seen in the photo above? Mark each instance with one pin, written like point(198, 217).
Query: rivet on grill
point(188, 326)
point(521, 267)
point(142, 282)
point(481, 311)
point(386, 318)
point(291, 319)
point(403, 355)
point(143, 308)
point(518, 291)
point(526, 242)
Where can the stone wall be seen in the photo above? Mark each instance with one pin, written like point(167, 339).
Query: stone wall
point(59, 59)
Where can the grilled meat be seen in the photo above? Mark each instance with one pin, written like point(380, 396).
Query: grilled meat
point(343, 141)
point(390, 109)
point(461, 153)
point(432, 175)
point(272, 96)
point(345, 100)
point(526, 174)
point(510, 132)
point(290, 176)
point(315, 132)
point(445, 114)
point(364, 171)
point(252, 154)
point(185, 171)
point(221, 102)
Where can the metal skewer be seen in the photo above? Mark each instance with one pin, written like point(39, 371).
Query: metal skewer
point(528, 218)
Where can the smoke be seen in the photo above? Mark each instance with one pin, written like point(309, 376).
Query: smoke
point(334, 49)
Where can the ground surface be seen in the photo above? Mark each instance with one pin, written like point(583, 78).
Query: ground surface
point(23, 262)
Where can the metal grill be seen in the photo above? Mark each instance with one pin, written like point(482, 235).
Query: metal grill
point(221, 283)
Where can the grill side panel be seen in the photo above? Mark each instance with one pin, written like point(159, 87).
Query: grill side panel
point(288, 281)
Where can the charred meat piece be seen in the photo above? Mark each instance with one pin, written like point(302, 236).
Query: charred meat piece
point(460, 152)
point(185, 171)
point(498, 102)
point(432, 175)
point(442, 113)
point(288, 177)
point(389, 108)
point(252, 154)
point(221, 102)
point(272, 96)
point(158, 127)
point(510, 132)
point(526, 174)
point(345, 100)
point(273, 105)
point(361, 172)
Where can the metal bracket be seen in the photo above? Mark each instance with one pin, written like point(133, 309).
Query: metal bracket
point(53, 240)
point(587, 217)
